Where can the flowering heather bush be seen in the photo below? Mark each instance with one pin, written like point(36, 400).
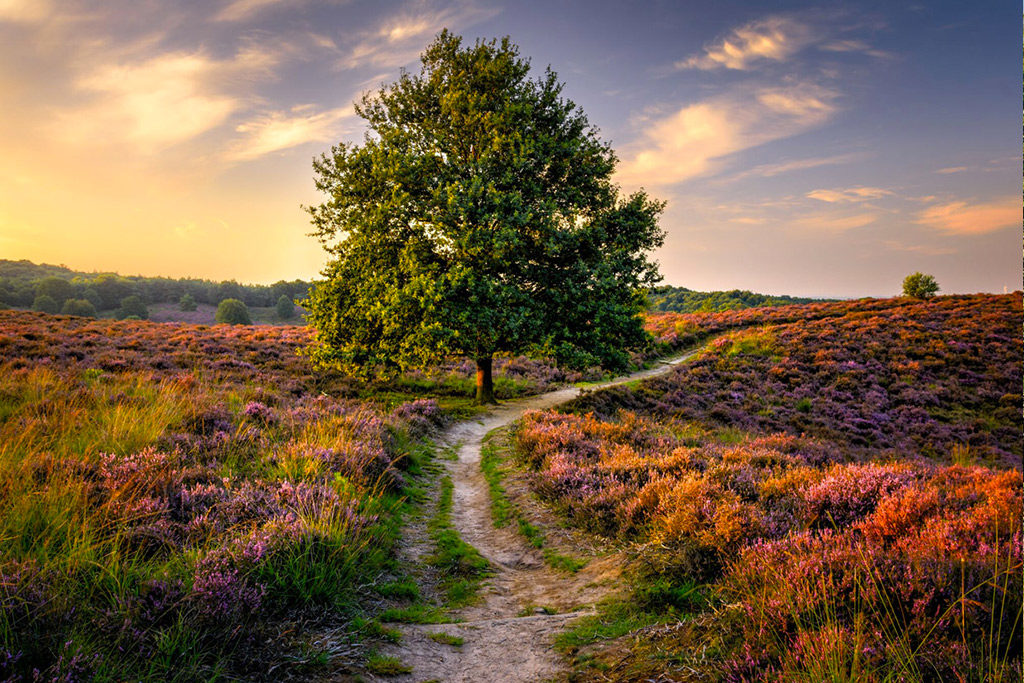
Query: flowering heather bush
point(265, 354)
point(798, 547)
point(420, 417)
point(906, 379)
point(796, 470)
point(172, 495)
point(677, 330)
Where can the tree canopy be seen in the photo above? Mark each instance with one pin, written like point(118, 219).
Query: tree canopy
point(232, 312)
point(21, 281)
point(683, 300)
point(478, 216)
point(920, 286)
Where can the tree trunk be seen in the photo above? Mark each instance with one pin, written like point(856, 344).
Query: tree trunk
point(484, 382)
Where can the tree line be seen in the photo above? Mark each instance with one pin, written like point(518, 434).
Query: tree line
point(667, 298)
point(24, 284)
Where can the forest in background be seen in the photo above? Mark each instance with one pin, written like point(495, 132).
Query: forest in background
point(22, 281)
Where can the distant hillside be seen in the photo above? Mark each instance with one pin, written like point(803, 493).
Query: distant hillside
point(682, 300)
point(22, 282)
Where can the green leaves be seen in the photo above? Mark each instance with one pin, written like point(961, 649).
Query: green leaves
point(477, 216)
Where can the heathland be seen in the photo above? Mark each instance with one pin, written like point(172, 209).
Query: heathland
point(829, 491)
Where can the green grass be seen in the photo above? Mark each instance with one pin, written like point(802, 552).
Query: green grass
point(401, 589)
point(383, 665)
point(490, 463)
point(446, 639)
point(372, 628)
point(51, 519)
point(462, 567)
point(653, 601)
point(503, 511)
point(417, 613)
point(615, 618)
point(562, 562)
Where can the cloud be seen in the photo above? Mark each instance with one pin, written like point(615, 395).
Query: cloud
point(771, 170)
point(805, 103)
point(854, 46)
point(774, 38)
point(152, 105)
point(400, 39)
point(830, 223)
point(24, 11)
point(973, 219)
point(952, 169)
point(278, 131)
point(855, 194)
point(188, 230)
point(244, 9)
point(686, 144)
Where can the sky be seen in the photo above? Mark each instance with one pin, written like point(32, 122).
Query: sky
point(812, 149)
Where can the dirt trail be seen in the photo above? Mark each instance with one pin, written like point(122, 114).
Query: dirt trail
point(507, 635)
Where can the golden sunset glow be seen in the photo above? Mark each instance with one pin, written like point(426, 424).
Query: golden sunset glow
point(177, 139)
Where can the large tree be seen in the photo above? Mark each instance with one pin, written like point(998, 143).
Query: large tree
point(477, 216)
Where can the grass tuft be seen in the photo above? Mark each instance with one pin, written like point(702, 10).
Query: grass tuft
point(384, 665)
point(446, 639)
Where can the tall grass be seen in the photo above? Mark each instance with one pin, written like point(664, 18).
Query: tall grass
point(158, 527)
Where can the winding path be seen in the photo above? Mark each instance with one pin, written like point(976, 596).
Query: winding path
point(507, 635)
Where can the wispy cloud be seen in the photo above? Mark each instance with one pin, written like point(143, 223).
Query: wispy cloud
point(771, 170)
point(965, 218)
point(854, 194)
point(151, 104)
point(398, 40)
point(24, 11)
point(277, 131)
point(245, 9)
point(774, 39)
point(832, 223)
point(952, 169)
point(854, 46)
point(151, 100)
point(686, 144)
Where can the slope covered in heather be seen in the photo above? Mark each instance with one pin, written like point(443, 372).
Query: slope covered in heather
point(838, 496)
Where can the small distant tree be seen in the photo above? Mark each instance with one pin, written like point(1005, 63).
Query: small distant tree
point(233, 312)
point(285, 308)
point(82, 307)
point(44, 303)
point(920, 286)
point(187, 302)
point(132, 307)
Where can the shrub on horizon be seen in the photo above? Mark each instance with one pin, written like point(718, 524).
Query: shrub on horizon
point(233, 312)
point(132, 307)
point(285, 308)
point(187, 302)
point(920, 286)
point(44, 303)
point(81, 307)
